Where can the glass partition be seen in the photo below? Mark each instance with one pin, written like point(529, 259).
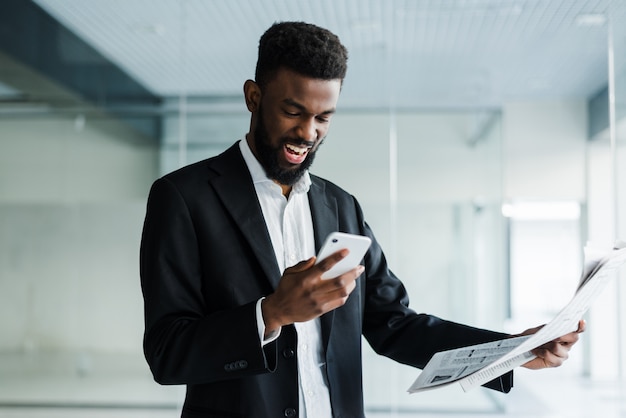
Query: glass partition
point(75, 169)
point(73, 185)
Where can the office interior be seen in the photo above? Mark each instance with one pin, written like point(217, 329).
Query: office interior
point(485, 140)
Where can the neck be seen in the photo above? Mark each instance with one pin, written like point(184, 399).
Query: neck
point(286, 189)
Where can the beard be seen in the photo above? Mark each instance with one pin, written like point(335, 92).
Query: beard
point(268, 155)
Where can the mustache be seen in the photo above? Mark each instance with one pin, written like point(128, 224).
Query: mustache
point(300, 142)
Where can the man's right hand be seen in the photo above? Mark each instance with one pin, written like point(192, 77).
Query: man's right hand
point(303, 295)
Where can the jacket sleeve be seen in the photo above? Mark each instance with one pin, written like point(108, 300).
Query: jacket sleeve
point(396, 331)
point(185, 341)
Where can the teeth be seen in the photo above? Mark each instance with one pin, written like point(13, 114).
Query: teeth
point(296, 149)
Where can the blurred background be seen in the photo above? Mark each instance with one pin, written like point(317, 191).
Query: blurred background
point(485, 139)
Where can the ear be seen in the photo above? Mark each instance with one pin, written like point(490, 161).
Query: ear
point(252, 95)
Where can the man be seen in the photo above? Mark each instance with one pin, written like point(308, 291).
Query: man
point(234, 304)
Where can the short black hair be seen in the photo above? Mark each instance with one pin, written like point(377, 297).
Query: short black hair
point(307, 49)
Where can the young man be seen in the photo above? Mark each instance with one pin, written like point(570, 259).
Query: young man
point(234, 304)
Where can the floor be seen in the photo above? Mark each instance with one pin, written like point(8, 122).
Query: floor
point(81, 386)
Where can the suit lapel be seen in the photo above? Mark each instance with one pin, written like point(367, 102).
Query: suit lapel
point(325, 220)
point(235, 188)
point(323, 212)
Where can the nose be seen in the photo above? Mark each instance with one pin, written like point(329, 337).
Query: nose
point(307, 129)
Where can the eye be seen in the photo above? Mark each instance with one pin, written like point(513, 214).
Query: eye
point(291, 113)
point(323, 119)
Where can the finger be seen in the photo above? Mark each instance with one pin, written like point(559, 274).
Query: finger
point(343, 290)
point(568, 339)
point(531, 331)
point(327, 263)
point(550, 358)
point(555, 358)
point(560, 349)
point(339, 296)
point(572, 337)
point(349, 277)
point(343, 281)
point(301, 266)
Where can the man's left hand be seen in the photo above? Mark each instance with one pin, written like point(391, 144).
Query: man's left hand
point(555, 352)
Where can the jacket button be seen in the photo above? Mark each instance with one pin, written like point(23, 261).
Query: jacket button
point(288, 353)
point(290, 412)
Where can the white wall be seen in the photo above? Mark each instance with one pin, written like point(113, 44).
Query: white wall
point(544, 150)
point(72, 200)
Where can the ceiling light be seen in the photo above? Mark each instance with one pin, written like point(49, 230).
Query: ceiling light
point(591, 19)
point(564, 210)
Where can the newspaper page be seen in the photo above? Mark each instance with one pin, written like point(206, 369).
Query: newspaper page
point(452, 365)
point(476, 365)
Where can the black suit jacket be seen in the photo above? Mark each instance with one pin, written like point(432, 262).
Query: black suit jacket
point(206, 258)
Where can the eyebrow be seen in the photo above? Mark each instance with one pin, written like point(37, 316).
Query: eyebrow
point(293, 103)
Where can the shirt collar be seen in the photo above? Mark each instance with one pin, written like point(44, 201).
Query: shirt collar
point(258, 173)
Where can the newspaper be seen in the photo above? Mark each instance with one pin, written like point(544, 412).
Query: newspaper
point(478, 364)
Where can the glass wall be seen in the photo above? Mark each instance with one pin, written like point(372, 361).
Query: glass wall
point(79, 149)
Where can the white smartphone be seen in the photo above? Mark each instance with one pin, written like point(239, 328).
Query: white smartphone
point(356, 244)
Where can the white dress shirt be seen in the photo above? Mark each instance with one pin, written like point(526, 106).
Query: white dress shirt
point(290, 227)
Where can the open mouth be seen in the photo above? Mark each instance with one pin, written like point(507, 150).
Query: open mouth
point(295, 154)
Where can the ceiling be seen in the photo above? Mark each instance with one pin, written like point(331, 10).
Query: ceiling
point(403, 53)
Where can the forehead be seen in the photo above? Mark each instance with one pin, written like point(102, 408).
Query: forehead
point(316, 95)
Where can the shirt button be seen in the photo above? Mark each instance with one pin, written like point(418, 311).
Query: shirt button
point(290, 412)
